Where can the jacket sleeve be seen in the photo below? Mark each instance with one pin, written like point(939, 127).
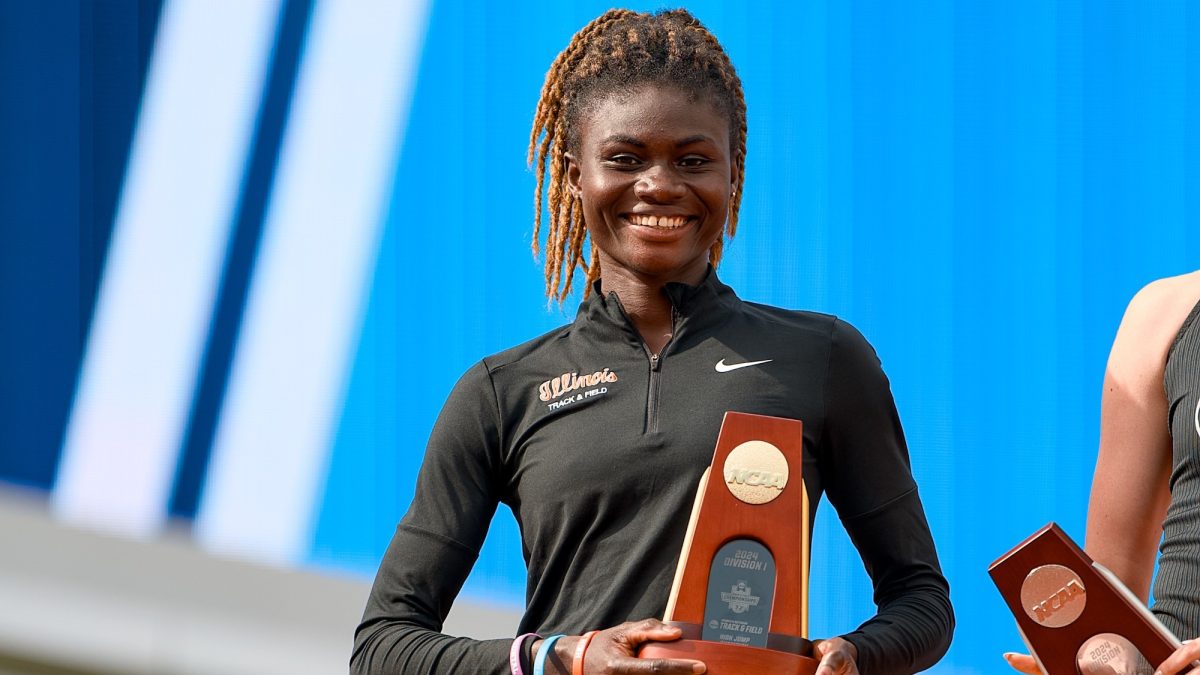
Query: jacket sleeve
point(435, 546)
point(869, 481)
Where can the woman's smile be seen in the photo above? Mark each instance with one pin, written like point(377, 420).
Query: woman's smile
point(658, 222)
point(659, 229)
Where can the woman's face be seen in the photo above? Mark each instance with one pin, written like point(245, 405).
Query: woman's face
point(654, 172)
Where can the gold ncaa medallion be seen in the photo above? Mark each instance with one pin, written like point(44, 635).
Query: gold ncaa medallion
point(1053, 596)
point(756, 472)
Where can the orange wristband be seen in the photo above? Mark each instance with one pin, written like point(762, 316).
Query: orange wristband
point(580, 650)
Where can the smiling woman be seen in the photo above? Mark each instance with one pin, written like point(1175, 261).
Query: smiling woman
point(597, 433)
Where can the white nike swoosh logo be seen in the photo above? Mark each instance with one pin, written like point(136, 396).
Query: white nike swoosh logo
point(722, 368)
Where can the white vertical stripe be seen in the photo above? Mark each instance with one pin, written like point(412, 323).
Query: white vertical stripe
point(303, 312)
point(168, 244)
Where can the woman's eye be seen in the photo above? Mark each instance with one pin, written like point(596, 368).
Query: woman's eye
point(623, 160)
point(693, 162)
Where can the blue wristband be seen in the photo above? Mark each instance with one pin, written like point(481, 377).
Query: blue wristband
point(539, 663)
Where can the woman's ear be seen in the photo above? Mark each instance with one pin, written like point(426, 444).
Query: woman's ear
point(573, 176)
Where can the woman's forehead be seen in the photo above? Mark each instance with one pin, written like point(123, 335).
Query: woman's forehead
point(653, 112)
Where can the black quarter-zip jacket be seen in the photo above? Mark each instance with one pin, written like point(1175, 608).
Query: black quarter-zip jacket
point(597, 446)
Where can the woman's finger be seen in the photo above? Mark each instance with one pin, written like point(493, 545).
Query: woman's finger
point(1182, 661)
point(635, 633)
point(1023, 663)
point(656, 667)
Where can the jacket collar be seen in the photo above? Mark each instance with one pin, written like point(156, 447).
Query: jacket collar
point(697, 308)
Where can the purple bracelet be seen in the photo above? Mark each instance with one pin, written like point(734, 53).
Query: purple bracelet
point(514, 654)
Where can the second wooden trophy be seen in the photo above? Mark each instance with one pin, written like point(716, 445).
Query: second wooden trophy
point(741, 589)
point(1075, 615)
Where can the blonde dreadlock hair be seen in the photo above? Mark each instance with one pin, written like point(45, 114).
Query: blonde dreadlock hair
point(617, 50)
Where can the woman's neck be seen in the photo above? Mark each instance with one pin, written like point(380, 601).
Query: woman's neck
point(646, 304)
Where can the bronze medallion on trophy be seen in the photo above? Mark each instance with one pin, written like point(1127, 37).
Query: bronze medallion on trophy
point(1076, 617)
point(741, 589)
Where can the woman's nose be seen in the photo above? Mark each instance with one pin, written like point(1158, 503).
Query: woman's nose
point(659, 184)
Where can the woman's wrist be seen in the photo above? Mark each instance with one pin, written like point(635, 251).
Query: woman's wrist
point(853, 648)
point(560, 661)
point(547, 656)
point(837, 656)
point(580, 652)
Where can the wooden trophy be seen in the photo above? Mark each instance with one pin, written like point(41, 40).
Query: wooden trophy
point(741, 589)
point(1075, 616)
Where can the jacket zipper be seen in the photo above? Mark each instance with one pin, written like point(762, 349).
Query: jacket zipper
point(655, 368)
point(652, 396)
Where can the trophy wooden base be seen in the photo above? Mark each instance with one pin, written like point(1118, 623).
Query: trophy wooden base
point(727, 659)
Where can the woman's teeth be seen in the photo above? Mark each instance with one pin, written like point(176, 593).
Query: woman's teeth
point(661, 222)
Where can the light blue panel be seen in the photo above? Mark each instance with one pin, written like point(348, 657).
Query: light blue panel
point(1004, 262)
point(1191, 141)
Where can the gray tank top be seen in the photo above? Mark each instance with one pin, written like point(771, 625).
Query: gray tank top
point(1177, 586)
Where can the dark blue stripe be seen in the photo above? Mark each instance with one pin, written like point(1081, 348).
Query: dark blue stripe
point(239, 258)
point(72, 77)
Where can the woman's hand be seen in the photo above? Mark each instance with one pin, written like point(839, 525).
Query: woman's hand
point(1181, 661)
point(613, 651)
point(838, 657)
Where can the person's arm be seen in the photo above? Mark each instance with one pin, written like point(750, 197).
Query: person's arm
point(1130, 490)
point(1131, 486)
point(435, 546)
point(869, 481)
